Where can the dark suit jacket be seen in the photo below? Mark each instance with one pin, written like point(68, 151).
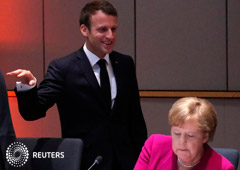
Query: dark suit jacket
point(71, 84)
point(6, 126)
point(7, 134)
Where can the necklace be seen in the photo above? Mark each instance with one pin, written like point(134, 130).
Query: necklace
point(187, 166)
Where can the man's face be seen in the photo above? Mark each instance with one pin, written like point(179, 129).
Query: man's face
point(101, 37)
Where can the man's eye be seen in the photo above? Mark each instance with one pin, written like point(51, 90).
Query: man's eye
point(190, 136)
point(102, 30)
point(114, 29)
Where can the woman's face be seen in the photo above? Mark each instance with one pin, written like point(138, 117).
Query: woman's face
point(187, 141)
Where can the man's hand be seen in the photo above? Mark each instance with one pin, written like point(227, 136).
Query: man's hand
point(25, 76)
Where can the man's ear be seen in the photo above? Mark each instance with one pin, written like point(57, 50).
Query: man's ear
point(84, 30)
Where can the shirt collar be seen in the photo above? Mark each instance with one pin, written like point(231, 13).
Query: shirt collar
point(93, 59)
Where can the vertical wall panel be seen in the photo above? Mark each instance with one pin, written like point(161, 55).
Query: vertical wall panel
point(234, 44)
point(21, 37)
point(155, 113)
point(62, 35)
point(232, 117)
point(181, 45)
point(125, 40)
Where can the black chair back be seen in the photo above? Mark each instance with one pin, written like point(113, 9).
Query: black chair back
point(231, 154)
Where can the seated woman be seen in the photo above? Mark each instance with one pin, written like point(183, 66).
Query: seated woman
point(193, 123)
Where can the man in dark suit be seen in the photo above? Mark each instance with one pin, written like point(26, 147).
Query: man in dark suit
point(96, 92)
point(7, 134)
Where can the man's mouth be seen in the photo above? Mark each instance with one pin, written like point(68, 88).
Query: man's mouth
point(107, 43)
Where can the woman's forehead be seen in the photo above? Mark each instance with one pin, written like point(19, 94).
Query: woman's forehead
point(188, 125)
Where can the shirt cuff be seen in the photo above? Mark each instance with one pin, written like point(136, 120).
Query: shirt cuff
point(24, 87)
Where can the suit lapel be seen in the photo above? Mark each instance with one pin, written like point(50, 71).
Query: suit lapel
point(88, 71)
point(89, 74)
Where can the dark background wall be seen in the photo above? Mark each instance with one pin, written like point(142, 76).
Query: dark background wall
point(177, 45)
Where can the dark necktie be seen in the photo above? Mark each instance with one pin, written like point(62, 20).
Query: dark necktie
point(105, 84)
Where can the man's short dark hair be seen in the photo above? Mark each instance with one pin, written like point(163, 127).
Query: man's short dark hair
point(91, 8)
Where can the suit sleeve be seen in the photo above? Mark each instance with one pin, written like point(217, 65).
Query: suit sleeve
point(34, 103)
point(138, 126)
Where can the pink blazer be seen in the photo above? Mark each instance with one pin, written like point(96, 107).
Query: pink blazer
point(157, 154)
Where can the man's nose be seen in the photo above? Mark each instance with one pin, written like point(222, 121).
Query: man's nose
point(109, 34)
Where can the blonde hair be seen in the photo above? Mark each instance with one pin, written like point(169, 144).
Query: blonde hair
point(194, 108)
